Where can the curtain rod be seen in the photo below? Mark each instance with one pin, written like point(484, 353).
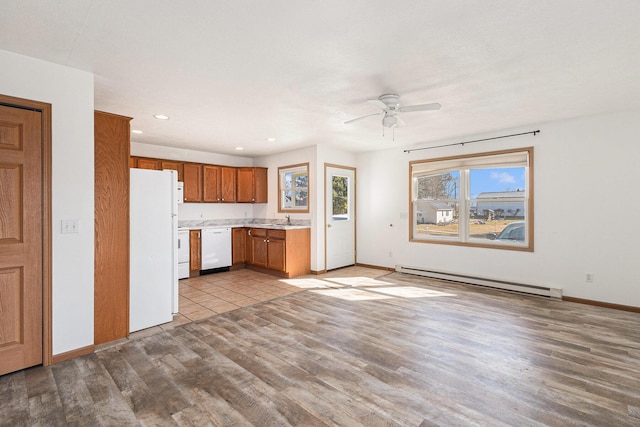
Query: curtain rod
point(533, 132)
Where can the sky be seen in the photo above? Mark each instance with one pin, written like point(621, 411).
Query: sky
point(502, 179)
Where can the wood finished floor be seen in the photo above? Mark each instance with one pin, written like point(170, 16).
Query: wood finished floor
point(351, 350)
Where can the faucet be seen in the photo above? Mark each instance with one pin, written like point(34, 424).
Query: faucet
point(288, 219)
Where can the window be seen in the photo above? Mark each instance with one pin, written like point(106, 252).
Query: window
point(293, 188)
point(481, 200)
point(340, 197)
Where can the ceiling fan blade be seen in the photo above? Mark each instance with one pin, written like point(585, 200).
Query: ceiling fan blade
point(360, 118)
point(420, 107)
point(378, 104)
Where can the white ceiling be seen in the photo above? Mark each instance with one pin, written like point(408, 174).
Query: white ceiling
point(233, 73)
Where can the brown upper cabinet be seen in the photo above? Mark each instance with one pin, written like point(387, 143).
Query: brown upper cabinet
point(212, 183)
point(192, 182)
point(218, 184)
point(144, 163)
point(252, 185)
point(172, 165)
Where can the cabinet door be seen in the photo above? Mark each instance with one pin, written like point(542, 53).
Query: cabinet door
point(245, 185)
point(238, 245)
point(175, 166)
point(260, 185)
point(195, 260)
point(227, 184)
point(259, 248)
point(211, 183)
point(144, 163)
point(192, 182)
point(276, 254)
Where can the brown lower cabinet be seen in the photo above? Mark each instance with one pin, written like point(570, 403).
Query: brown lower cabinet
point(195, 251)
point(286, 253)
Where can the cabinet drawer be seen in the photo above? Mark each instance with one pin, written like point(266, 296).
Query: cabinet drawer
point(258, 232)
point(277, 234)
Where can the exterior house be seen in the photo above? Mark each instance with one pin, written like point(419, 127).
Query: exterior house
point(430, 212)
point(500, 203)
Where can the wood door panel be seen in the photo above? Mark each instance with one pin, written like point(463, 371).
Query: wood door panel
point(11, 303)
point(21, 228)
point(10, 212)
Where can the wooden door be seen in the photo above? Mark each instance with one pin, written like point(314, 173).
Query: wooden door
point(228, 184)
point(21, 230)
point(210, 183)
point(192, 182)
point(175, 166)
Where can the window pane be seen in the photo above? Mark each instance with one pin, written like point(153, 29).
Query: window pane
point(286, 180)
point(302, 198)
point(287, 201)
point(340, 189)
point(497, 200)
point(437, 205)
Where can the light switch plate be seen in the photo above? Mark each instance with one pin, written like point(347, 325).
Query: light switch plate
point(70, 226)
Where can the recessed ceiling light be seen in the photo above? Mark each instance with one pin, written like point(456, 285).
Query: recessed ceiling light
point(136, 131)
point(239, 148)
point(272, 139)
point(161, 117)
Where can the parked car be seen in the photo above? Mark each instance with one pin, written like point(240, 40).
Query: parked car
point(513, 232)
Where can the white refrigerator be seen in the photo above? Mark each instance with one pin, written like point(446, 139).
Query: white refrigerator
point(153, 237)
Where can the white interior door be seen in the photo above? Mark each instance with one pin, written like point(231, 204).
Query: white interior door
point(340, 221)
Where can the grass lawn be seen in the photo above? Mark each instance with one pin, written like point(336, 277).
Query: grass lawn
point(475, 230)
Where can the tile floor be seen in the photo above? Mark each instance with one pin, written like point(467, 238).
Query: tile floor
point(211, 294)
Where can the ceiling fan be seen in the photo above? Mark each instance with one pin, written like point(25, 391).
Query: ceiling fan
point(391, 109)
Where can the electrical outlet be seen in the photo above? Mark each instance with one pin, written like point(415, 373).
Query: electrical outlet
point(70, 226)
point(588, 277)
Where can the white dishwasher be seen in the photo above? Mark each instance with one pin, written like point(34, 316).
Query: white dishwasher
point(216, 248)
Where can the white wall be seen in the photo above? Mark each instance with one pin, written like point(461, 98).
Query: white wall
point(70, 92)
point(583, 168)
point(270, 210)
point(316, 156)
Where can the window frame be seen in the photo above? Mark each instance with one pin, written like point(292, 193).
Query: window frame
point(475, 159)
point(282, 170)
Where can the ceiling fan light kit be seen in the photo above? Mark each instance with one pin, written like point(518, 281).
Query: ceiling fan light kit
point(390, 105)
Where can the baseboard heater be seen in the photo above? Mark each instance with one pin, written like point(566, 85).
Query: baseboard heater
point(492, 283)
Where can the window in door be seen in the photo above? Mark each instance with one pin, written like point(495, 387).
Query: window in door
point(340, 194)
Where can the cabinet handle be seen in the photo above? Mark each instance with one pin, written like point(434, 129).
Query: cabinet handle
point(268, 240)
point(253, 200)
point(223, 199)
point(249, 232)
point(198, 234)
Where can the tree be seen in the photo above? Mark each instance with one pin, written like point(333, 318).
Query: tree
point(437, 187)
point(340, 194)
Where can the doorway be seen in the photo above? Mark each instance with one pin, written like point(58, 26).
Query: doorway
point(25, 236)
point(340, 216)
